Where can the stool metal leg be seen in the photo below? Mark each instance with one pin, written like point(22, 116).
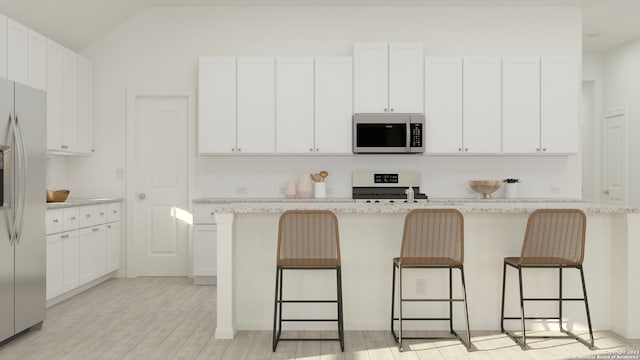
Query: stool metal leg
point(586, 306)
point(560, 299)
point(393, 298)
point(275, 310)
point(504, 277)
point(340, 317)
point(400, 310)
point(451, 302)
point(466, 309)
point(524, 334)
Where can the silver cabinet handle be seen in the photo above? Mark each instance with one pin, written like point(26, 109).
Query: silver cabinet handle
point(73, 218)
point(142, 196)
point(391, 110)
point(606, 192)
point(385, 109)
point(55, 221)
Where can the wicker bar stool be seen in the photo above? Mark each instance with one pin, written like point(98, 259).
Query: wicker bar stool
point(554, 239)
point(432, 239)
point(307, 240)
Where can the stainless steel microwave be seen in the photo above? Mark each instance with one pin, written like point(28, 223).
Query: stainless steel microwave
point(388, 133)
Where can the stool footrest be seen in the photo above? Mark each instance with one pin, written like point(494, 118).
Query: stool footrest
point(433, 300)
point(306, 301)
point(569, 335)
point(532, 318)
point(309, 339)
point(423, 319)
point(310, 320)
point(552, 299)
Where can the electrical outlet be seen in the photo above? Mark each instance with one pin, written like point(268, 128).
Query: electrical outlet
point(555, 190)
point(421, 287)
point(241, 190)
point(329, 191)
point(119, 174)
point(282, 191)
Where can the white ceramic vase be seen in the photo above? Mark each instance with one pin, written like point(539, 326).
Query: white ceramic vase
point(319, 190)
point(510, 190)
point(290, 190)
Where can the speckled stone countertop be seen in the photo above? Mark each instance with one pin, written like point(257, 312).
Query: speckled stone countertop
point(345, 205)
point(81, 202)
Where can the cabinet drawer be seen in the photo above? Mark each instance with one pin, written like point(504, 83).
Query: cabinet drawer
point(100, 213)
point(113, 212)
point(204, 214)
point(87, 216)
point(55, 221)
point(71, 218)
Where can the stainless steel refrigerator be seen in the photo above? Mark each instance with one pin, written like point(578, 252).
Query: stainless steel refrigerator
point(22, 214)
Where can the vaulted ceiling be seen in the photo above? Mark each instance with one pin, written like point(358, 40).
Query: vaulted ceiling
point(78, 23)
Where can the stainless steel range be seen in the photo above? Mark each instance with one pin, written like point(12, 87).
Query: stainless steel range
point(386, 187)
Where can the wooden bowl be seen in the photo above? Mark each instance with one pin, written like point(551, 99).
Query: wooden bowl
point(485, 187)
point(57, 195)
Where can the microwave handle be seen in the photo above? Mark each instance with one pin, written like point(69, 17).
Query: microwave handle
point(408, 135)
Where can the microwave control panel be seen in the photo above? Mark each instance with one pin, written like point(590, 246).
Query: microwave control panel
point(416, 135)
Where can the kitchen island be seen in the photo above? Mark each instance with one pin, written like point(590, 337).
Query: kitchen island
point(370, 236)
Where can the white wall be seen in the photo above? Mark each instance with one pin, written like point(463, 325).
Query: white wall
point(621, 87)
point(159, 48)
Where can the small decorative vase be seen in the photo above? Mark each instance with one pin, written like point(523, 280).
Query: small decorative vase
point(319, 190)
point(510, 190)
point(304, 187)
point(290, 190)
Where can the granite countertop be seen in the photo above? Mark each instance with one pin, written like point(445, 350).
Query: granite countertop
point(346, 205)
point(81, 202)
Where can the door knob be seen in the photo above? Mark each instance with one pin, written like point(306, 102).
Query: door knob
point(142, 196)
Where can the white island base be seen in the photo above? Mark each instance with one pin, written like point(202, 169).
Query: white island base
point(370, 238)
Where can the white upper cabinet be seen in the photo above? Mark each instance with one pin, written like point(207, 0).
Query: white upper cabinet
point(217, 105)
point(560, 91)
point(520, 105)
point(55, 116)
point(443, 105)
point(17, 51)
point(333, 105)
point(37, 61)
point(70, 99)
point(3, 46)
point(85, 105)
point(255, 105)
point(481, 105)
point(294, 105)
point(388, 77)
point(406, 78)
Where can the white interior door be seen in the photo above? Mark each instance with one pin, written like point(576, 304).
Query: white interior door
point(160, 236)
point(615, 159)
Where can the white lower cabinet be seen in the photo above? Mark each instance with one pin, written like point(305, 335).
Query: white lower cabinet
point(205, 245)
point(83, 244)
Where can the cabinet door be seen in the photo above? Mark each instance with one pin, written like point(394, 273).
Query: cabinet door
point(17, 51)
point(55, 116)
point(560, 101)
point(55, 266)
point(406, 78)
point(54, 221)
point(333, 105)
point(100, 213)
point(99, 251)
point(113, 246)
point(85, 105)
point(87, 216)
point(443, 104)
point(481, 105)
point(71, 261)
point(204, 250)
point(520, 105)
point(113, 212)
point(37, 63)
point(85, 255)
point(71, 218)
point(70, 100)
point(3, 46)
point(217, 105)
point(371, 77)
point(294, 105)
point(256, 98)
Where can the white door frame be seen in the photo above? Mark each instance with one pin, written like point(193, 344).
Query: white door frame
point(132, 96)
point(604, 181)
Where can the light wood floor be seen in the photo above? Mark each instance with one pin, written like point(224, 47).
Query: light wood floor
point(168, 318)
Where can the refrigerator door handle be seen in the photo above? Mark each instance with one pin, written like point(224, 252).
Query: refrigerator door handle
point(6, 168)
point(22, 178)
point(13, 214)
